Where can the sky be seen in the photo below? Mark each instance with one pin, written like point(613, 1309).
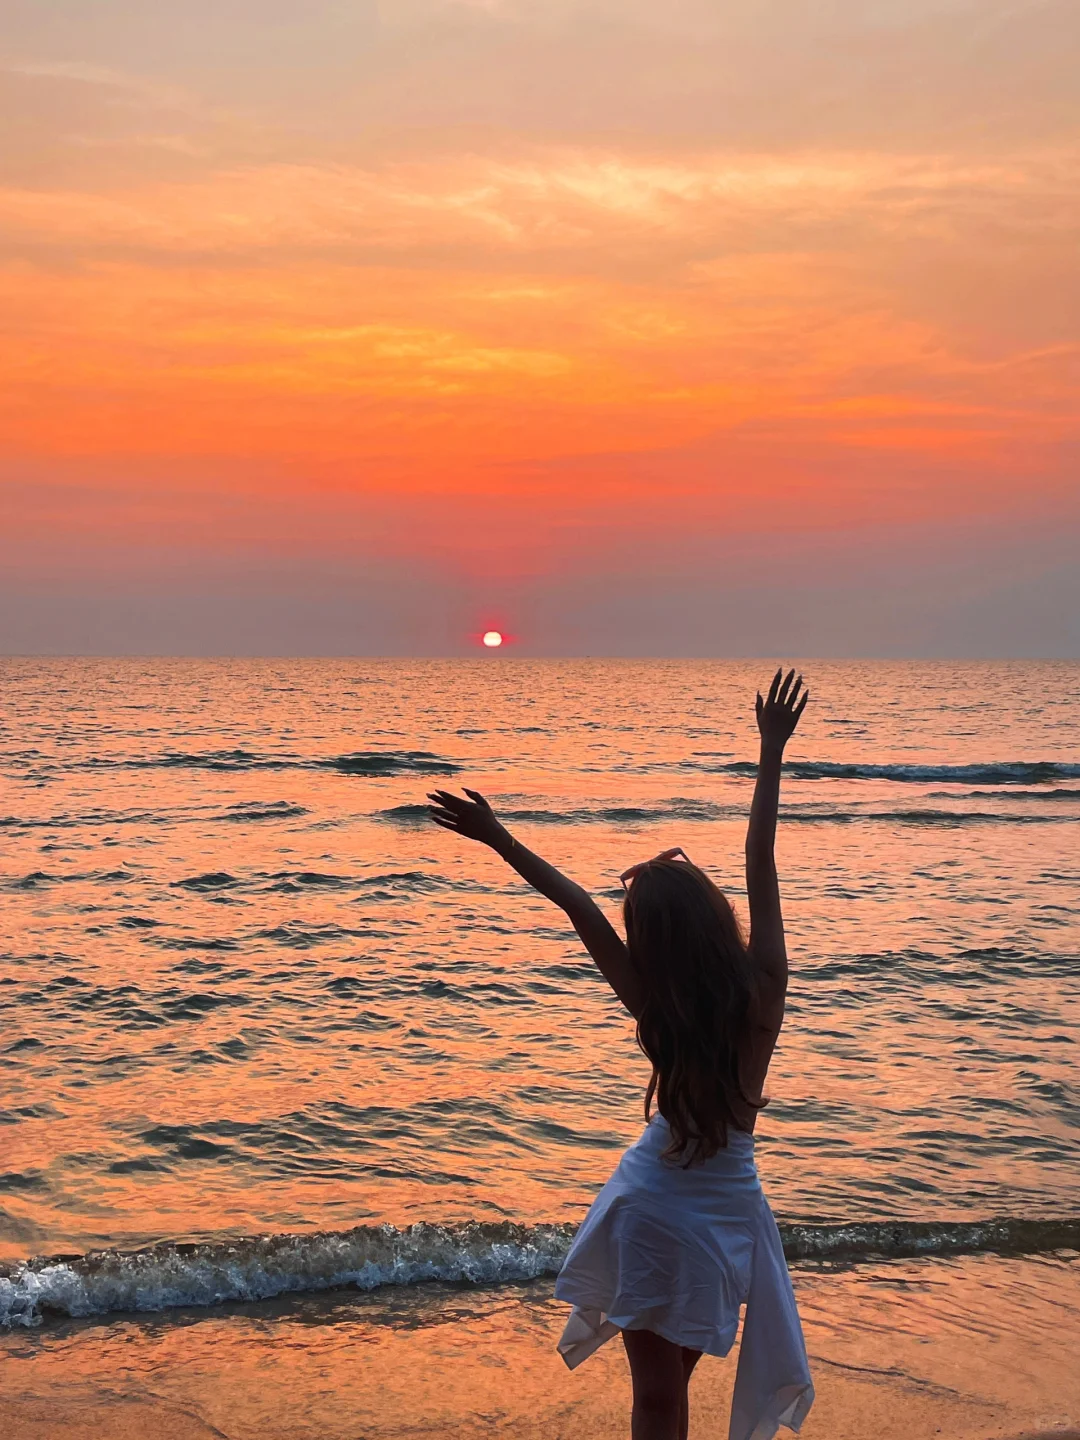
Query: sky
point(702, 328)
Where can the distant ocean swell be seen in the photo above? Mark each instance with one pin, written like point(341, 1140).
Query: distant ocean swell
point(246, 813)
point(1009, 772)
point(685, 810)
point(691, 810)
point(214, 974)
point(371, 763)
point(168, 1276)
point(377, 764)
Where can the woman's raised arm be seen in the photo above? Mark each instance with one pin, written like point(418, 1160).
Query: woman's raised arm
point(777, 716)
point(475, 819)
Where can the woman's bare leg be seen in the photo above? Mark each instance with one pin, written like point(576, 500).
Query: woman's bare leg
point(660, 1372)
point(689, 1359)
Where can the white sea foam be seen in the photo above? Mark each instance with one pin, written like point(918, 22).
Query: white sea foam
point(166, 1277)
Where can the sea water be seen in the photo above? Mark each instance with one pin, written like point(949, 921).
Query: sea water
point(265, 1030)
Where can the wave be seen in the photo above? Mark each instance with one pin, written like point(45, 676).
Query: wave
point(298, 882)
point(1058, 793)
point(34, 881)
point(409, 815)
point(376, 763)
point(983, 966)
point(166, 1276)
point(244, 812)
point(212, 881)
point(296, 936)
point(414, 814)
point(701, 810)
point(946, 819)
point(262, 810)
point(366, 1257)
point(39, 878)
point(290, 882)
point(70, 822)
point(908, 1239)
point(1012, 772)
point(371, 763)
point(602, 814)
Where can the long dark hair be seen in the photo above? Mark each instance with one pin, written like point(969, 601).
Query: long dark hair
point(699, 1001)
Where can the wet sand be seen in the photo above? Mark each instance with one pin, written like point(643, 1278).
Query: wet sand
point(979, 1349)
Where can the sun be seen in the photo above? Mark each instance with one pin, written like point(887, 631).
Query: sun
point(492, 639)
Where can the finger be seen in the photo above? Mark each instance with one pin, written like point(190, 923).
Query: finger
point(446, 825)
point(782, 694)
point(447, 800)
point(801, 705)
point(795, 690)
point(443, 817)
point(759, 704)
point(774, 686)
point(477, 797)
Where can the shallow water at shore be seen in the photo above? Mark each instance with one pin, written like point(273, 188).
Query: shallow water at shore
point(907, 1350)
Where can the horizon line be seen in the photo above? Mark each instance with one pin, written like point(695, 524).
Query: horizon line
point(490, 657)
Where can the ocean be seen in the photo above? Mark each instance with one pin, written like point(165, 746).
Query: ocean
point(265, 1031)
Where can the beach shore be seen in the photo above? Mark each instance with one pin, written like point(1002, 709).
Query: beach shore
point(975, 1349)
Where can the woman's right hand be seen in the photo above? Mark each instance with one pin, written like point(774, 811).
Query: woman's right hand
point(473, 818)
point(778, 714)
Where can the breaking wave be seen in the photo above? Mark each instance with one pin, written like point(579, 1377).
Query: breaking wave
point(166, 1276)
point(260, 1268)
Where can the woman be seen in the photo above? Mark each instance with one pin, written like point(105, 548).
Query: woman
point(681, 1236)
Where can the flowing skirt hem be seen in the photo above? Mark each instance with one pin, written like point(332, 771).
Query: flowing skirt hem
point(591, 1324)
point(789, 1407)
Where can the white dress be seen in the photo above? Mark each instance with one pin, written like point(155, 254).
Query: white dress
point(678, 1251)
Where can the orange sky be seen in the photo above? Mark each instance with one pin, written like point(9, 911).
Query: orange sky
point(351, 326)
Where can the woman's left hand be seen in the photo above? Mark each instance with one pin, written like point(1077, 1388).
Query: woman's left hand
point(778, 715)
point(473, 818)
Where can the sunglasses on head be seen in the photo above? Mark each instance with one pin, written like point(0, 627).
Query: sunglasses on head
point(644, 864)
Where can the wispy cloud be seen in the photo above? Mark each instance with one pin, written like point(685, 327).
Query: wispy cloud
point(131, 88)
point(567, 200)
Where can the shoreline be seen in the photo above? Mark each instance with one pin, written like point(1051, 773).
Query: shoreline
point(963, 1349)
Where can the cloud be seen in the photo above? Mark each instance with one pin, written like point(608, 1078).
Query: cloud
point(132, 87)
point(585, 210)
point(606, 279)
